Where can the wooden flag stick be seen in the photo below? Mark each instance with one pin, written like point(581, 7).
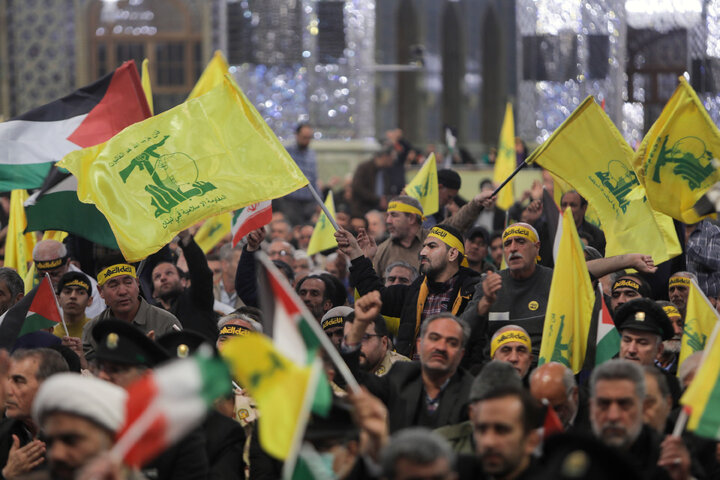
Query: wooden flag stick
point(319, 201)
point(505, 182)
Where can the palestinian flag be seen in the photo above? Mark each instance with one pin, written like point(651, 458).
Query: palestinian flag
point(35, 311)
point(32, 142)
point(607, 343)
point(166, 404)
point(250, 218)
point(56, 207)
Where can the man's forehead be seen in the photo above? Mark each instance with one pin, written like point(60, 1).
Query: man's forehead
point(399, 270)
point(313, 284)
point(119, 279)
point(629, 332)
point(513, 346)
point(433, 241)
point(164, 267)
point(447, 326)
point(615, 388)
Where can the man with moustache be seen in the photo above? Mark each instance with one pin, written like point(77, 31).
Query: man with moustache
point(679, 289)
point(668, 359)
point(445, 284)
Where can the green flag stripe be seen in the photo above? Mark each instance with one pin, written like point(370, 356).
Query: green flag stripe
point(28, 175)
point(34, 322)
point(709, 425)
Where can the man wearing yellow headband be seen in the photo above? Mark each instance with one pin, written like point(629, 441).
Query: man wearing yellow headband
point(444, 284)
point(667, 360)
point(679, 289)
point(118, 286)
point(511, 344)
point(405, 226)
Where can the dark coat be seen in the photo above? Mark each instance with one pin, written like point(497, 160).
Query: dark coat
point(8, 428)
point(225, 440)
point(186, 460)
point(194, 306)
point(402, 391)
point(401, 300)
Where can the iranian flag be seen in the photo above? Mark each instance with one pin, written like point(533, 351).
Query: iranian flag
point(37, 310)
point(250, 218)
point(167, 403)
point(607, 343)
point(31, 143)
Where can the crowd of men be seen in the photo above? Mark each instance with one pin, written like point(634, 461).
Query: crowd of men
point(438, 317)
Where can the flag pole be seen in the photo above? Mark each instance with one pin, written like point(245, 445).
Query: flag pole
point(505, 182)
point(62, 315)
point(319, 201)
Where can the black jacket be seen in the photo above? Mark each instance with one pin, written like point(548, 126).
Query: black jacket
point(8, 428)
point(225, 441)
point(401, 300)
point(194, 306)
point(186, 460)
point(402, 391)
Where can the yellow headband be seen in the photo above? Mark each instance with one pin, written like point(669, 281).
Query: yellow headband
point(77, 283)
point(671, 311)
point(234, 330)
point(51, 264)
point(333, 322)
point(450, 240)
point(519, 231)
point(405, 208)
point(627, 283)
point(679, 282)
point(115, 271)
point(509, 337)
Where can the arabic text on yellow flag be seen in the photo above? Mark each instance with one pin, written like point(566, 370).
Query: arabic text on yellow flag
point(212, 231)
point(212, 76)
point(588, 152)
point(506, 159)
point(678, 155)
point(207, 156)
point(282, 390)
point(18, 245)
point(700, 319)
point(323, 236)
point(424, 186)
point(147, 88)
point(569, 313)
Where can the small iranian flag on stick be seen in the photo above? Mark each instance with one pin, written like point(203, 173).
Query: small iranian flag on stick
point(608, 339)
point(167, 403)
point(250, 218)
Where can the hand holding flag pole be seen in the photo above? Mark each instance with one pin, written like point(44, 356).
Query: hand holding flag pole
point(62, 317)
point(319, 201)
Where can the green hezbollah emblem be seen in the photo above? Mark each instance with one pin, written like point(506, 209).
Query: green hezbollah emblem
point(168, 190)
point(276, 364)
point(619, 180)
point(422, 190)
point(695, 340)
point(687, 155)
point(561, 351)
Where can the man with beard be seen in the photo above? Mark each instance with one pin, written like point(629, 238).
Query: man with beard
point(679, 289)
point(668, 359)
point(505, 429)
point(625, 288)
point(476, 248)
point(430, 393)
point(317, 291)
point(79, 416)
point(192, 305)
point(376, 353)
point(617, 393)
point(511, 344)
point(12, 288)
point(333, 323)
point(643, 326)
point(445, 284)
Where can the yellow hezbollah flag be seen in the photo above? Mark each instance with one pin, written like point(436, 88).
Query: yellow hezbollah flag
point(700, 319)
point(207, 156)
point(147, 89)
point(506, 159)
point(678, 155)
point(560, 188)
point(569, 313)
point(212, 231)
point(588, 152)
point(18, 245)
point(703, 394)
point(283, 391)
point(323, 236)
point(424, 187)
point(212, 76)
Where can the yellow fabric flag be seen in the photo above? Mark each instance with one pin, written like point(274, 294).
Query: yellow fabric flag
point(323, 236)
point(570, 303)
point(18, 245)
point(506, 159)
point(212, 231)
point(700, 319)
point(147, 88)
point(212, 76)
point(703, 394)
point(283, 391)
point(207, 156)
point(588, 152)
point(678, 155)
point(424, 187)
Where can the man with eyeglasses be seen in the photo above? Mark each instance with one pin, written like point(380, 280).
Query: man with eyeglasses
point(400, 273)
point(282, 250)
point(376, 350)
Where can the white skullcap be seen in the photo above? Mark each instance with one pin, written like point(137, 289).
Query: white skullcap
point(88, 397)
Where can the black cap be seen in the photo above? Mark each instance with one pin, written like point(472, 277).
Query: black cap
point(644, 315)
point(121, 342)
point(449, 178)
point(181, 344)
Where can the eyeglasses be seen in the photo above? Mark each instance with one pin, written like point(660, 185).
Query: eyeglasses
point(393, 279)
point(282, 253)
